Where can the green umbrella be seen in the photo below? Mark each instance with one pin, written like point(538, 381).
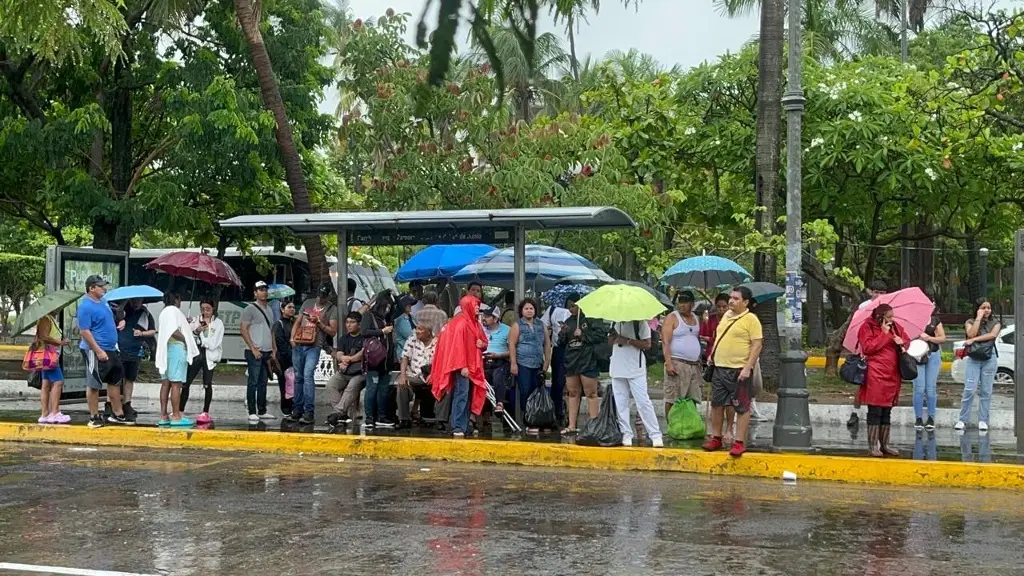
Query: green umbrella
point(47, 304)
point(621, 303)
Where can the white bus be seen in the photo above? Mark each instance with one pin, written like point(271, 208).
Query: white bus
point(264, 263)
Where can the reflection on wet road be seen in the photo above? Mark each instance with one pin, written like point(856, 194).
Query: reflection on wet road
point(191, 512)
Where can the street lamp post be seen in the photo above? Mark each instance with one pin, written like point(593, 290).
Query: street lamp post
point(792, 430)
point(983, 265)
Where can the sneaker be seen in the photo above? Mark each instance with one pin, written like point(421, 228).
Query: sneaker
point(267, 416)
point(345, 420)
point(183, 423)
point(385, 423)
point(737, 449)
point(715, 443)
point(118, 419)
point(306, 418)
point(658, 443)
point(983, 426)
point(930, 424)
point(959, 425)
point(96, 421)
point(368, 425)
point(458, 435)
point(130, 412)
point(627, 442)
point(854, 419)
point(45, 419)
point(405, 424)
point(253, 419)
point(333, 420)
point(919, 424)
point(204, 418)
point(60, 418)
point(293, 417)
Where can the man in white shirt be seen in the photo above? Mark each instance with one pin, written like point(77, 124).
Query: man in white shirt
point(628, 369)
point(553, 319)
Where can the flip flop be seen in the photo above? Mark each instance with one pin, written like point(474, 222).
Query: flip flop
point(569, 431)
point(164, 422)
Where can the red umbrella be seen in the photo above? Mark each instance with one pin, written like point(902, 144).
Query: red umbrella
point(197, 266)
point(911, 309)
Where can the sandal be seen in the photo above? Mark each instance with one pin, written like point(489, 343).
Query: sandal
point(569, 431)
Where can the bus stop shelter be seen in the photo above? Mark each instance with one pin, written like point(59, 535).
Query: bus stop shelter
point(508, 226)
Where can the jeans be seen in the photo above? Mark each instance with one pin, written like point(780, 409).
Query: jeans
point(979, 377)
point(256, 382)
point(528, 380)
point(375, 399)
point(558, 381)
point(497, 373)
point(984, 448)
point(924, 385)
point(460, 405)
point(304, 361)
point(925, 448)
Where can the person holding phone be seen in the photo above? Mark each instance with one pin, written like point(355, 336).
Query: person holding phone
point(881, 340)
point(208, 331)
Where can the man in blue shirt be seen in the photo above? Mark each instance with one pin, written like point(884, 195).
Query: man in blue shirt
point(99, 351)
point(496, 365)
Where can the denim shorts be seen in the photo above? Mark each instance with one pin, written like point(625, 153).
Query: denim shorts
point(51, 376)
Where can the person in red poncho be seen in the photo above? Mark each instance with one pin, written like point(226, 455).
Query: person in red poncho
point(882, 341)
point(458, 366)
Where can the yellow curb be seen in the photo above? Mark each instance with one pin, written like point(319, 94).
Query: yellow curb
point(818, 362)
point(13, 347)
point(757, 465)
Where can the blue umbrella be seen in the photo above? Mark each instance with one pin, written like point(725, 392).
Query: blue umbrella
point(440, 261)
point(765, 291)
point(556, 296)
point(131, 292)
point(705, 272)
point(545, 267)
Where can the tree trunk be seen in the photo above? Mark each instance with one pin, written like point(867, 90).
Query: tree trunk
point(815, 313)
point(574, 64)
point(318, 268)
point(973, 269)
point(835, 348)
point(768, 142)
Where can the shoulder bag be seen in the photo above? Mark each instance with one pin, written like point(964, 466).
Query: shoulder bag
point(375, 352)
point(709, 370)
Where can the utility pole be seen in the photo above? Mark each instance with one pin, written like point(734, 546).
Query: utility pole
point(792, 429)
point(983, 271)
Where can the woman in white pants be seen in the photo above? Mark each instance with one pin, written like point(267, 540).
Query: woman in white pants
point(628, 369)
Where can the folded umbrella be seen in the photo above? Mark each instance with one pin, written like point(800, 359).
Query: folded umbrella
point(621, 303)
point(911, 309)
point(48, 303)
point(146, 293)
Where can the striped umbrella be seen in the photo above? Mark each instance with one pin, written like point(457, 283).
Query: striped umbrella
point(705, 272)
point(545, 266)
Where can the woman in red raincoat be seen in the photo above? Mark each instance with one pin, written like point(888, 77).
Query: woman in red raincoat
point(458, 364)
point(881, 342)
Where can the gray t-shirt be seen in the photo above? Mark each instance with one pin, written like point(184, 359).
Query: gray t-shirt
point(327, 313)
point(259, 329)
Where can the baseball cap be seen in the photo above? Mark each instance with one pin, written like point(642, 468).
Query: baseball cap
point(259, 285)
point(494, 311)
point(326, 289)
point(95, 280)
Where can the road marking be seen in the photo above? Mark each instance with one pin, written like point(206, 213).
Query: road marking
point(61, 570)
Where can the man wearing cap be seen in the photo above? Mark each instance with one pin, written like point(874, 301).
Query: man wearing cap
point(313, 331)
point(260, 345)
point(680, 342)
point(99, 351)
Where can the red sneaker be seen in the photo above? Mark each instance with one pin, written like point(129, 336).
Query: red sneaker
point(715, 443)
point(737, 449)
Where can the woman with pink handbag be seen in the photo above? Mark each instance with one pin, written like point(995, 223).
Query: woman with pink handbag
point(44, 357)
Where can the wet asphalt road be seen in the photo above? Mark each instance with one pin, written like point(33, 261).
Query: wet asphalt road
point(191, 512)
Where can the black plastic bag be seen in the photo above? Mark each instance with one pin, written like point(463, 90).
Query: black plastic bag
point(854, 369)
point(540, 410)
point(908, 367)
point(603, 430)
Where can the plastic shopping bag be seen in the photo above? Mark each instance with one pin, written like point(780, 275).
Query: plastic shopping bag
point(540, 410)
point(289, 383)
point(603, 430)
point(684, 421)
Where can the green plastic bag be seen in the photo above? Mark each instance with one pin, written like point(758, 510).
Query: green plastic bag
point(684, 422)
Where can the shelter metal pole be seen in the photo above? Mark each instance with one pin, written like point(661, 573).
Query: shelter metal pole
point(519, 285)
point(342, 288)
point(1018, 359)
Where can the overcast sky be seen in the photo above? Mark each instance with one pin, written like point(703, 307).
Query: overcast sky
point(684, 32)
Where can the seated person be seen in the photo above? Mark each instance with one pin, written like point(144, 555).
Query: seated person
point(412, 381)
point(348, 380)
point(496, 365)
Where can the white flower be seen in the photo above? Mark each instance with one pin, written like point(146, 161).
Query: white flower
point(690, 131)
point(930, 173)
point(855, 116)
point(1018, 146)
point(717, 141)
point(817, 142)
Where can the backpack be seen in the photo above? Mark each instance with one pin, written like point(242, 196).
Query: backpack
point(654, 354)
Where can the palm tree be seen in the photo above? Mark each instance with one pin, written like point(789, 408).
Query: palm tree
point(248, 19)
point(573, 12)
point(530, 86)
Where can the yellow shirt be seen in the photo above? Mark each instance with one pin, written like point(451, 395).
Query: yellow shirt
point(733, 350)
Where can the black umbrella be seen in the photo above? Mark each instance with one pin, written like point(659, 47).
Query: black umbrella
point(764, 291)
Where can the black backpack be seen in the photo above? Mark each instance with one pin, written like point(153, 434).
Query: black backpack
point(654, 354)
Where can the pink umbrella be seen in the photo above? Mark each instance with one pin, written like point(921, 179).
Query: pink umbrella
point(197, 266)
point(911, 309)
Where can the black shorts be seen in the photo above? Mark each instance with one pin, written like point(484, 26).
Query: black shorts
point(130, 366)
point(100, 374)
point(728, 390)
